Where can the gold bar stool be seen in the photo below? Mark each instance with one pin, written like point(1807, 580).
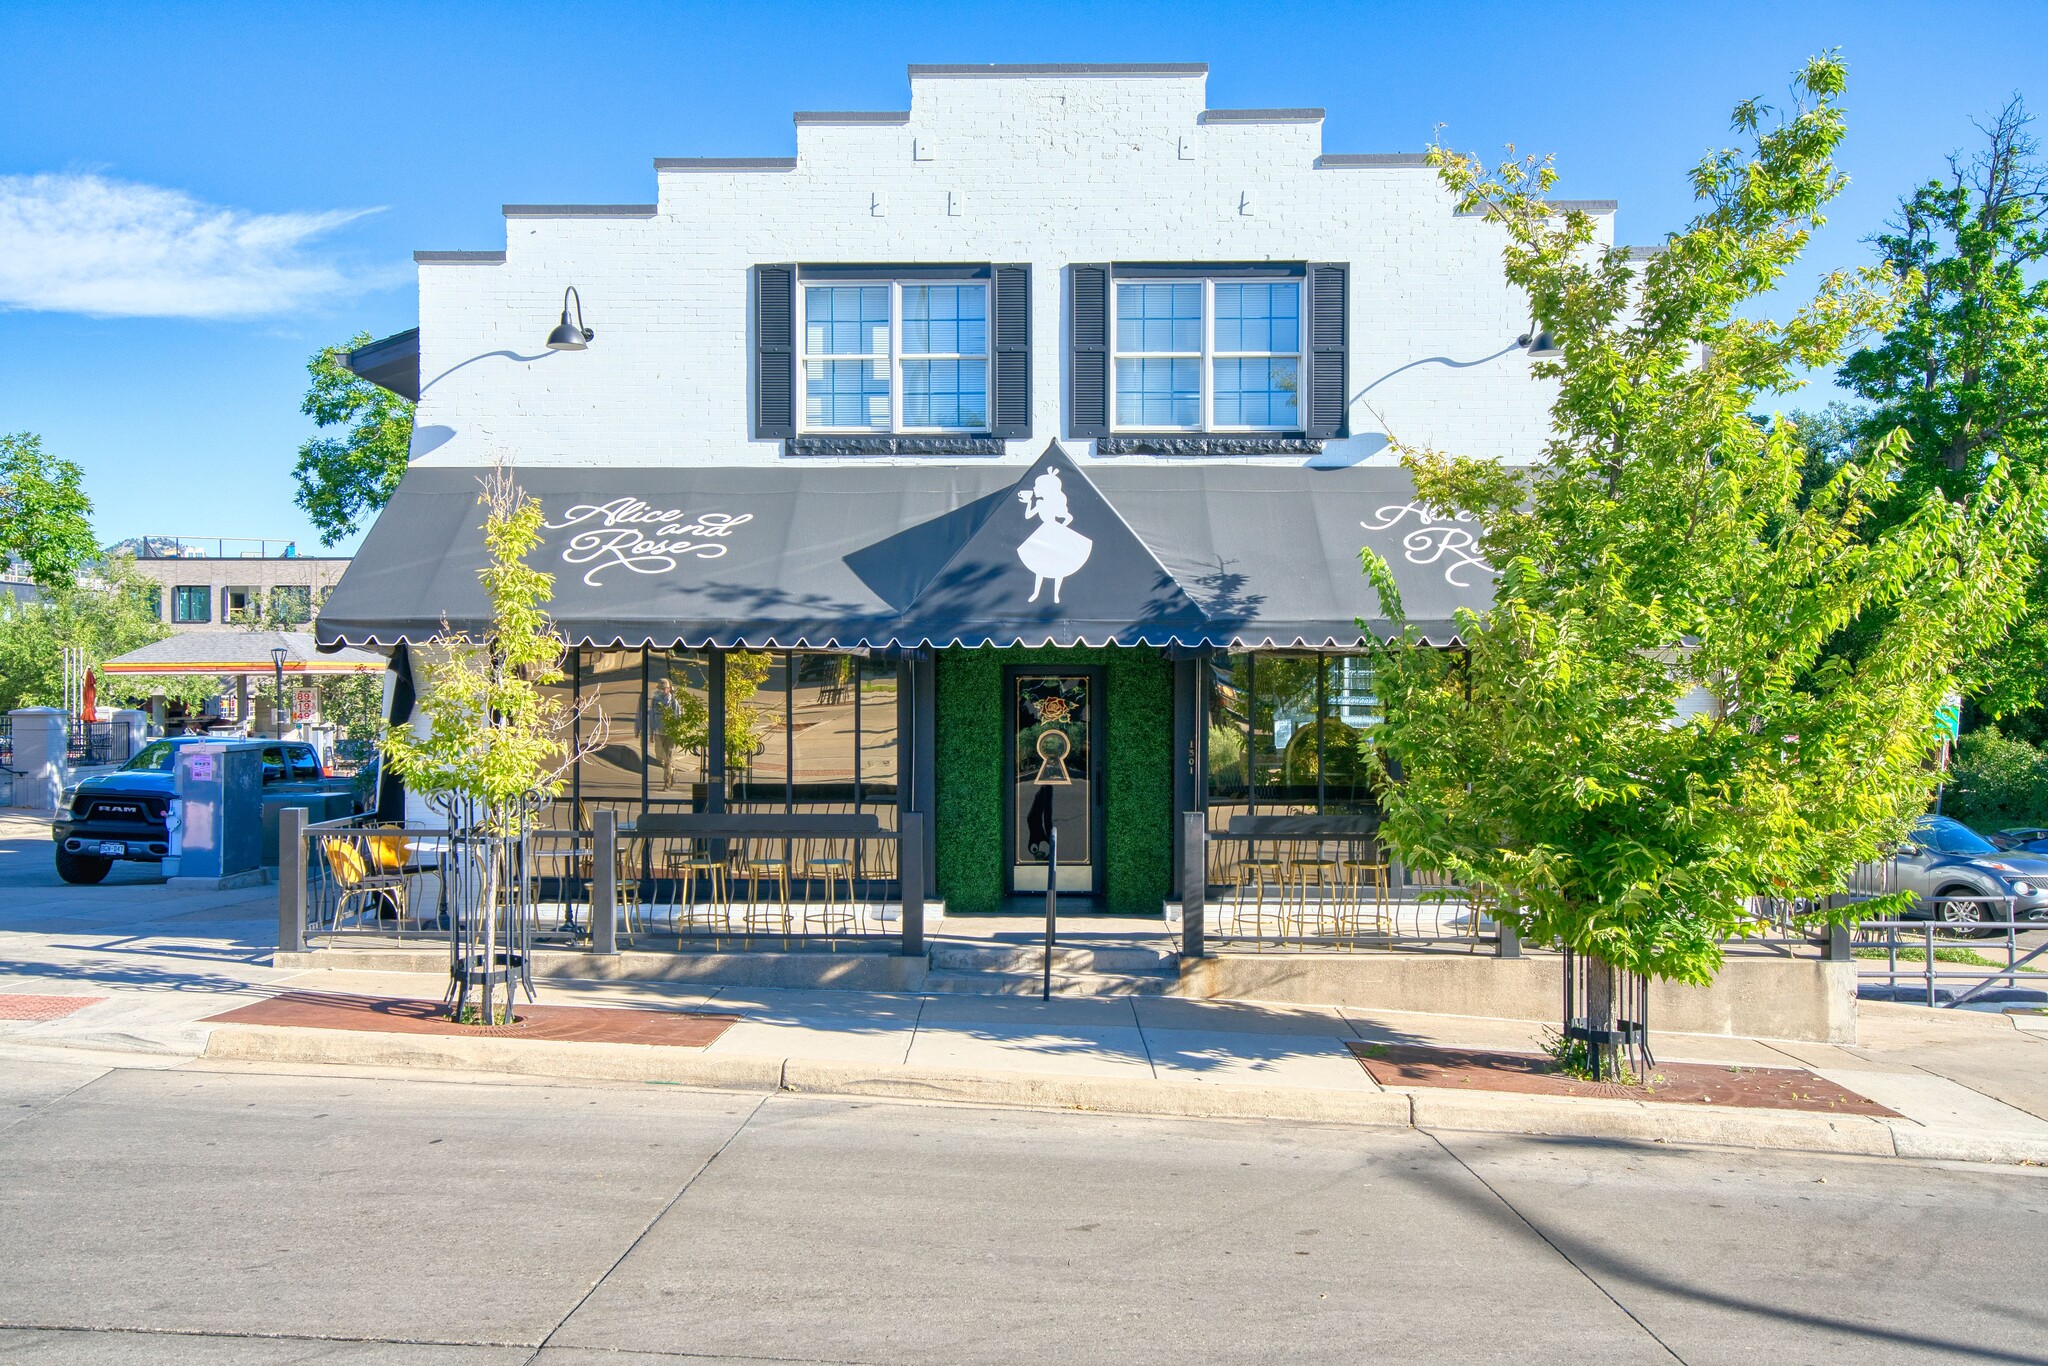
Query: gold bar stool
point(1260, 873)
point(711, 912)
point(759, 917)
point(1365, 869)
point(831, 860)
point(1326, 876)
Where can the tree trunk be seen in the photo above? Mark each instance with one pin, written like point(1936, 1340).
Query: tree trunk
point(488, 908)
point(1601, 989)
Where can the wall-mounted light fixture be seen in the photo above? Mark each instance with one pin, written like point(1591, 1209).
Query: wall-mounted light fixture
point(567, 337)
point(1538, 342)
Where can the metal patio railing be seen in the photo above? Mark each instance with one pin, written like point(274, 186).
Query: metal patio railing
point(667, 882)
point(1947, 963)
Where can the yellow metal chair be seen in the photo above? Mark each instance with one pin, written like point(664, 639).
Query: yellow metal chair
point(358, 882)
point(1320, 871)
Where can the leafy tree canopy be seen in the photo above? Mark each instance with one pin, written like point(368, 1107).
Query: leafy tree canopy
point(344, 479)
point(1662, 552)
point(110, 615)
point(43, 510)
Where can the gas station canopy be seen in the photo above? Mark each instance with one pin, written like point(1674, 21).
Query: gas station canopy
point(241, 652)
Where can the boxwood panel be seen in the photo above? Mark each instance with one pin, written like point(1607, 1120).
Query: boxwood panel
point(1137, 773)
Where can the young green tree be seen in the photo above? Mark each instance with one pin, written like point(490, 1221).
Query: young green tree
point(344, 479)
point(499, 737)
point(43, 510)
point(1964, 370)
point(1660, 550)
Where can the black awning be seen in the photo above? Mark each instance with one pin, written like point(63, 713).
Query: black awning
point(841, 556)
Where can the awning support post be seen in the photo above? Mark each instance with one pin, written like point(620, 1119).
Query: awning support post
point(910, 876)
point(291, 880)
point(1194, 884)
point(604, 881)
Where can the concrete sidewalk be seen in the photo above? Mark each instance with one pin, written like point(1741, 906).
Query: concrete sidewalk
point(1971, 1086)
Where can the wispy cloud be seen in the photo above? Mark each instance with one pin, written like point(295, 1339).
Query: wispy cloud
point(112, 248)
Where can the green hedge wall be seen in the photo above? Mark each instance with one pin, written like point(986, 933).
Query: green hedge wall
point(1137, 773)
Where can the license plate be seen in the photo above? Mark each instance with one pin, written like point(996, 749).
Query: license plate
point(113, 848)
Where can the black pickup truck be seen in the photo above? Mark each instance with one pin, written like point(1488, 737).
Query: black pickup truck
point(126, 814)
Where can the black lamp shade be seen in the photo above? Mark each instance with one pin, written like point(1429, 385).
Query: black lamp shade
point(1543, 346)
point(568, 337)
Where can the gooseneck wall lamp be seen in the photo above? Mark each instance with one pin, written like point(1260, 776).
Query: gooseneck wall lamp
point(568, 336)
point(1538, 341)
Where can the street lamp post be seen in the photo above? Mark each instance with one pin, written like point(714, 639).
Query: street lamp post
point(278, 713)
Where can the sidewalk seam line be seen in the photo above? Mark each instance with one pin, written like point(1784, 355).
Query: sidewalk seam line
point(648, 1228)
point(1529, 1224)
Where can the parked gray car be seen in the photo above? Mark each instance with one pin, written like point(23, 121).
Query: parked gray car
point(1945, 858)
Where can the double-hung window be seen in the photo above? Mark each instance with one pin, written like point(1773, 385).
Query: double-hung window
point(1207, 355)
point(895, 356)
point(191, 603)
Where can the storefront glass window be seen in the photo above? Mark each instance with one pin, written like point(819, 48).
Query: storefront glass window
point(1284, 730)
point(808, 732)
point(757, 730)
point(877, 771)
point(679, 729)
point(612, 685)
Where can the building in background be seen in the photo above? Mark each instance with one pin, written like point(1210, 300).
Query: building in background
point(206, 583)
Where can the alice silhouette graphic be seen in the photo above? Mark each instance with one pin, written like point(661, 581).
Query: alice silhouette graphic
point(1055, 550)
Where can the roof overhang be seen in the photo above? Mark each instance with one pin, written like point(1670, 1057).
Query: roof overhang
point(390, 363)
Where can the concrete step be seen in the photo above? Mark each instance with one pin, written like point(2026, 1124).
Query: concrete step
point(1063, 984)
point(957, 957)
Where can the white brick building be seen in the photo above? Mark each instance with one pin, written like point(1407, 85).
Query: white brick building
point(828, 396)
point(1049, 166)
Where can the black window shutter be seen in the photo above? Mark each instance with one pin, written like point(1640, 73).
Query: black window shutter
point(1010, 412)
point(775, 351)
point(1328, 373)
point(1089, 347)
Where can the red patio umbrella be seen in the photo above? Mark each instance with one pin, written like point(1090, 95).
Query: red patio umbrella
point(90, 705)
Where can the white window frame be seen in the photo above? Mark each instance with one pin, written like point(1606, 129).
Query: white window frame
point(895, 355)
point(1209, 355)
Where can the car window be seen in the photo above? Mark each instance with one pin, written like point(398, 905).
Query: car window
point(1953, 837)
point(273, 763)
point(154, 757)
point(305, 762)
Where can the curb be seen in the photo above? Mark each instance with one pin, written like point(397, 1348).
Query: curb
point(565, 1059)
point(1422, 1109)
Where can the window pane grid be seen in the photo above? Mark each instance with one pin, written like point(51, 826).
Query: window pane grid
point(903, 357)
point(1215, 355)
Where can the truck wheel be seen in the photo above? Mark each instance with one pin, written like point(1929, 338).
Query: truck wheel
point(83, 869)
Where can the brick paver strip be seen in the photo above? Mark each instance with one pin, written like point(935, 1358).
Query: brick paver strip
point(388, 1015)
point(1677, 1083)
point(43, 1007)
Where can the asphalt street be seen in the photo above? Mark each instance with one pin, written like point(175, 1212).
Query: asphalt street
point(245, 1217)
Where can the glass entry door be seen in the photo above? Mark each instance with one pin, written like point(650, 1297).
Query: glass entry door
point(1054, 778)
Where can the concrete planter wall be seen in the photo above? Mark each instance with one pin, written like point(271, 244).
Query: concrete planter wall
point(1771, 998)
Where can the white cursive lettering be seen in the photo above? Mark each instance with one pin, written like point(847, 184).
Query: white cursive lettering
point(1437, 538)
point(627, 533)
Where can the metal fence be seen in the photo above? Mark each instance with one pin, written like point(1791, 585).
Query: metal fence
point(89, 743)
point(1942, 963)
point(675, 883)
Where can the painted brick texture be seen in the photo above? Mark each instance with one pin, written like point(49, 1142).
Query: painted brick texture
point(1047, 169)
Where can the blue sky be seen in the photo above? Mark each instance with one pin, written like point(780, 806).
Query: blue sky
point(266, 170)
